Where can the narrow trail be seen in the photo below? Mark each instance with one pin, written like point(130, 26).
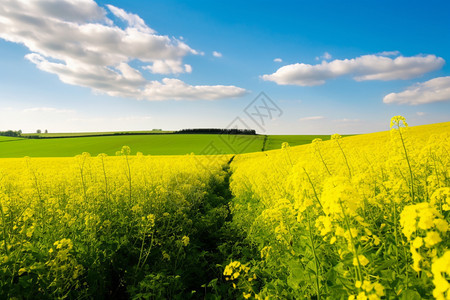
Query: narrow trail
point(264, 143)
point(214, 235)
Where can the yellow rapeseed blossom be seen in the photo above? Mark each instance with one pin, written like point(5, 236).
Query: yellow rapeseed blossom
point(441, 273)
point(185, 240)
point(362, 260)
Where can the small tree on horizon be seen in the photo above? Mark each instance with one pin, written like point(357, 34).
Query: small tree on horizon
point(38, 131)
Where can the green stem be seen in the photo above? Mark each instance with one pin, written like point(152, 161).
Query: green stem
point(409, 165)
point(314, 189)
point(129, 176)
point(316, 260)
point(396, 238)
point(323, 161)
point(352, 241)
point(345, 157)
point(5, 235)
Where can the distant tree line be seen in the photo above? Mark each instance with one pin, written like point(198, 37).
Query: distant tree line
point(11, 133)
point(216, 131)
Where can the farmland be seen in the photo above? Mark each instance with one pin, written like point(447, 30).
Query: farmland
point(82, 134)
point(359, 217)
point(155, 144)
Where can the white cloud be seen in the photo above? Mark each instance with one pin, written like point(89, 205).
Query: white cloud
point(389, 53)
point(134, 21)
point(420, 113)
point(278, 60)
point(75, 40)
point(327, 55)
point(366, 67)
point(48, 110)
point(168, 67)
point(178, 90)
point(217, 54)
point(434, 90)
point(312, 118)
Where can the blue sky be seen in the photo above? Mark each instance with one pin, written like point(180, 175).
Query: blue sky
point(83, 66)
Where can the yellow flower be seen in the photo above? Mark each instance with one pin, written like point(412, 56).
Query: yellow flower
point(398, 121)
point(379, 289)
point(362, 260)
point(367, 286)
point(185, 240)
point(228, 270)
point(432, 239)
point(246, 295)
point(418, 242)
point(440, 266)
point(376, 240)
point(323, 223)
point(361, 296)
point(441, 225)
point(373, 297)
point(416, 258)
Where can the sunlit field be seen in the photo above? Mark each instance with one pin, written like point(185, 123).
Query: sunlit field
point(360, 217)
point(155, 144)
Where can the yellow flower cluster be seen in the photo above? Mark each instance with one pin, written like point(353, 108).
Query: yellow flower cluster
point(234, 269)
point(185, 240)
point(365, 211)
point(370, 291)
point(63, 218)
point(441, 273)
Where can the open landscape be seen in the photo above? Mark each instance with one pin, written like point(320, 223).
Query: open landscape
point(161, 144)
point(173, 149)
point(348, 216)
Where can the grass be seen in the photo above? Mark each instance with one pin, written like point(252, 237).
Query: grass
point(8, 138)
point(164, 144)
point(274, 141)
point(157, 144)
point(83, 134)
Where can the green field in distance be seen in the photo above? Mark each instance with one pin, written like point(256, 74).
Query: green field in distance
point(156, 144)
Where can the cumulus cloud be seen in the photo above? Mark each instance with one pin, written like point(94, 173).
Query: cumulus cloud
point(366, 67)
point(168, 67)
point(312, 118)
point(133, 20)
point(77, 41)
point(179, 90)
point(217, 54)
point(434, 90)
point(278, 60)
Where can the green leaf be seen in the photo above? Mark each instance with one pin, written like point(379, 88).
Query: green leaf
point(410, 295)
